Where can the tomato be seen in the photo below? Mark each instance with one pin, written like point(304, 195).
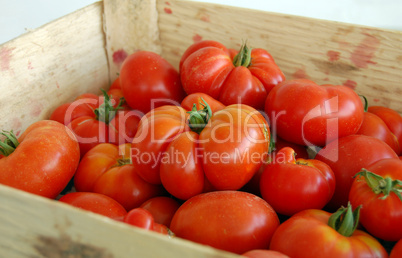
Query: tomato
point(306, 113)
point(378, 189)
point(107, 169)
point(149, 81)
point(228, 151)
point(317, 233)
point(95, 202)
point(197, 99)
point(291, 185)
point(396, 250)
point(141, 218)
point(234, 221)
point(392, 119)
point(347, 156)
point(264, 253)
point(162, 209)
point(374, 126)
point(41, 161)
point(207, 67)
point(276, 144)
point(162, 229)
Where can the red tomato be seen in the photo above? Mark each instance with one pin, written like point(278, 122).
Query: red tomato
point(347, 156)
point(392, 119)
point(229, 220)
point(141, 218)
point(160, 228)
point(207, 67)
point(162, 209)
point(291, 185)
point(95, 202)
point(107, 169)
point(228, 151)
point(309, 234)
point(41, 161)
point(396, 251)
point(306, 113)
point(149, 81)
point(374, 126)
point(264, 253)
point(376, 188)
point(197, 99)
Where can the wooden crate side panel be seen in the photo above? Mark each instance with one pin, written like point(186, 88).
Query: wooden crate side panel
point(129, 26)
point(368, 60)
point(33, 226)
point(52, 65)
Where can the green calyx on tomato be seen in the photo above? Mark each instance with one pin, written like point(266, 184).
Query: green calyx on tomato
point(243, 58)
point(344, 220)
point(380, 184)
point(9, 144)
point(106, 112)
point(199, 118)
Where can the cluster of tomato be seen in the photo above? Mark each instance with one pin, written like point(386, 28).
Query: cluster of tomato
point(208, 153)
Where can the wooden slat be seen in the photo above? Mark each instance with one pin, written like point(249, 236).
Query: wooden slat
point(51, 65)
point(367, 59)
point(129, 26)
point(33, 226)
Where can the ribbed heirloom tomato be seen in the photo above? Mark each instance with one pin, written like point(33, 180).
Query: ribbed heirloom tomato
point(230, 77)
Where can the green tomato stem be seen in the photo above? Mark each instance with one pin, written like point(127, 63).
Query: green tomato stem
point(9, 144)
point(381, 185)
point(199, 118)
point(344, 220)
point(106, 112)
point(243, 58)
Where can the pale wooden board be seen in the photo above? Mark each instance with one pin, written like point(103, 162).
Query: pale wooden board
point(50, 66)
point(129, 26)
point(33, 226)
point(369, 58)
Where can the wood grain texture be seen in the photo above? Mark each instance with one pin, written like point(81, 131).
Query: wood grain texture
point(129, 26)
point(51, 65)
point(33, 226)
point(366, 59)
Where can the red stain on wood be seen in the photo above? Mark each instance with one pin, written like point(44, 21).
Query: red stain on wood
point(197, 38)
point(167, 3)
point(363, 54)
point(5, 57)
point(376, 100)
point(205, 18)
point(167, 10)
point(30, 67)
point(300, 74)
point(333, 55)
point(119, 56)
point(351, 84)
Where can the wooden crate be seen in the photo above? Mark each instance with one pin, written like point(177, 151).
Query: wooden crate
point(82, 52)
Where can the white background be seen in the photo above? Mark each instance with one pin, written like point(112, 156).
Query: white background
point(18, 16)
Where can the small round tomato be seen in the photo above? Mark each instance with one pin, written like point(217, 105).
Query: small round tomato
point(234, 221)
point(264, 253)
point(140, 217)
point(149, 81)
point(162, 209)
point(291, 185)
point(95, 202)
point(377, 188)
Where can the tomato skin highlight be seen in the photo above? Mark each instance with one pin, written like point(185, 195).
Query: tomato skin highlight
point(307, 234)
point(382, 218)
point(44, 161)
point(229, 220)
